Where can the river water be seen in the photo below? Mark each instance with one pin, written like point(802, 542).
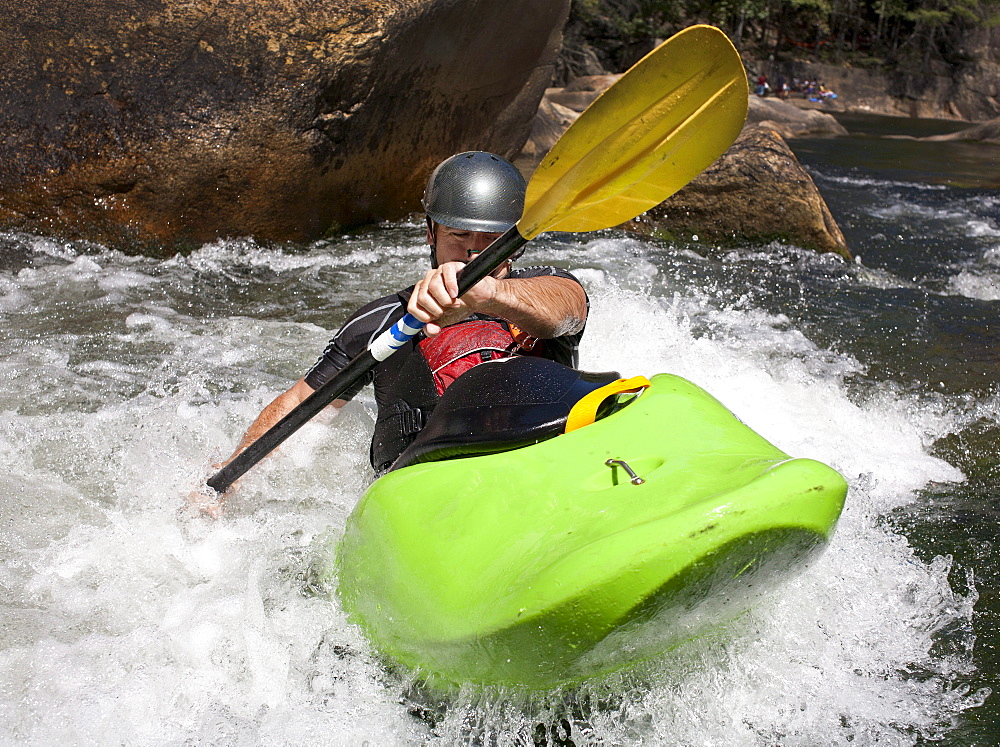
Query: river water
point(126, 620)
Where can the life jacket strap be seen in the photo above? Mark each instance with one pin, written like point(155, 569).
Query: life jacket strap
point(485, 354)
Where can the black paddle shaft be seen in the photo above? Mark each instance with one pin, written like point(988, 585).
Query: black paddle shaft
point(481, 266)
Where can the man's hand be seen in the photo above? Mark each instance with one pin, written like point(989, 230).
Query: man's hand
point(207, 501)
point(543, 306)
point(435, 298)
point(204, 502)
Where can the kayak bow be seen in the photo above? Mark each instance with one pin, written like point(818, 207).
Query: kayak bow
point(548, 564)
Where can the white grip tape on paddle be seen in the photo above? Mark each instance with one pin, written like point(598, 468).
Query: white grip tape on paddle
point(395, 337)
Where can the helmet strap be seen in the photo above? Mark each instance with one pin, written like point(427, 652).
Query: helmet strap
point(433, 243)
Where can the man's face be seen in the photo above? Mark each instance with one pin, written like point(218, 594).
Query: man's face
point(458, 245)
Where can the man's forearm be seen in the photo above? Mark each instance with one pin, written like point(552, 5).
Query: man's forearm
point(544, 307)
point(279, 407)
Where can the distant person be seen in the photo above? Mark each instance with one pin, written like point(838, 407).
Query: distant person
point(762, 86)
point(822, 93)
point(781, 87)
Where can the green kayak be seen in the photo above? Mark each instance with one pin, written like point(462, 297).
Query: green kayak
point(545, 564)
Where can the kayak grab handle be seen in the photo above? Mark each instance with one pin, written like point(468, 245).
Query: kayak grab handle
point(636, 480)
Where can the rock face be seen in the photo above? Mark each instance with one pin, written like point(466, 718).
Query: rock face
point(971, 92)
point(757, 192)
point(790, 121)
point(165, 121)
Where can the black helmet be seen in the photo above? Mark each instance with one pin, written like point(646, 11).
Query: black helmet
point(475, 191)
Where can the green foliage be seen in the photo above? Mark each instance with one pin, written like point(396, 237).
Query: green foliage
point(862, 32)
point(929, 16)
point(821, 8)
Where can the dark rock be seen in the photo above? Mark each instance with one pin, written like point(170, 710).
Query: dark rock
point(756, 192)
point(162, 121)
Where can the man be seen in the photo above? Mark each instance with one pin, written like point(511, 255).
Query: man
point(470, 200)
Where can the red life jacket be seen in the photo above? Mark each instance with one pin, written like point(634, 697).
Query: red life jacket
point(462, 346)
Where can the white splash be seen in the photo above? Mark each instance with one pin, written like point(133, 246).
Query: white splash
point(127, 621)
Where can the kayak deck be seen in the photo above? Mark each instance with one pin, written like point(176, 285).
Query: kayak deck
point(544, 565)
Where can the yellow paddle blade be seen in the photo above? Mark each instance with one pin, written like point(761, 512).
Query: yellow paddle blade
point(659, 126)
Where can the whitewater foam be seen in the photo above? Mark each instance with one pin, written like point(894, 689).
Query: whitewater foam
point(130, 621)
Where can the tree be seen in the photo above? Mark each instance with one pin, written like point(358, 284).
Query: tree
point(911, 33)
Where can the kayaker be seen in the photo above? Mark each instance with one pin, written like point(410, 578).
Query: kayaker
point(470, 200)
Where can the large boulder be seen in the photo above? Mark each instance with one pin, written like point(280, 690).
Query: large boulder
point(987, 132)
point(155, 122)
point(756, 192)
point(791, 121)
